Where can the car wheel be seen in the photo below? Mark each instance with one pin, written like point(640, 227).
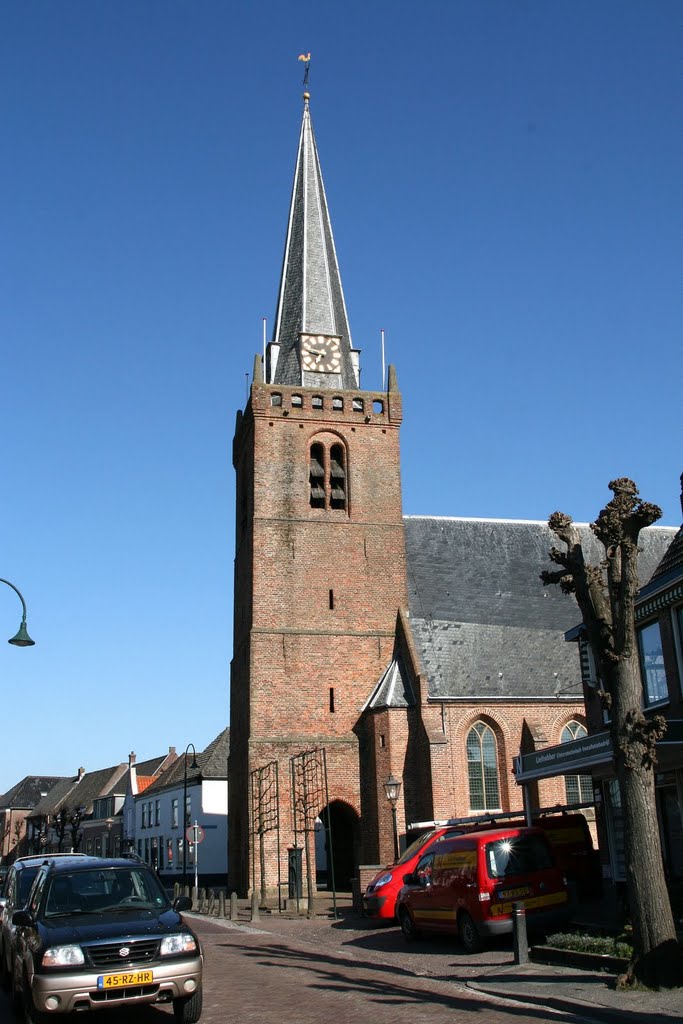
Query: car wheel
point(407, 924)
point(31, 1014)
point(5, 976)
point(469, 936)
point(189, 1009)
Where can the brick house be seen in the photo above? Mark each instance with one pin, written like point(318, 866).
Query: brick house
point(416, 647)
point(15, 806)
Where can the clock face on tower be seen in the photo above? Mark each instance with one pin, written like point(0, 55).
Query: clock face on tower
point(320, 353)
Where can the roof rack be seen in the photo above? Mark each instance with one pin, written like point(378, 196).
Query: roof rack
point(491, 819)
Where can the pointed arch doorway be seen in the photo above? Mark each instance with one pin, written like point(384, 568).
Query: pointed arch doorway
point(336, 867)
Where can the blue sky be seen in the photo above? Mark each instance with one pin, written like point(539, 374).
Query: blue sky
point(504, 180)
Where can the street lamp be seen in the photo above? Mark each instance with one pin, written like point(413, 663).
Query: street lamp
point(22, 639)
point(185, 819)
point(392, 789)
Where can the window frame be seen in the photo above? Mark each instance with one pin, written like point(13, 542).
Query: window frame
point(651, 699)
point(481, 762)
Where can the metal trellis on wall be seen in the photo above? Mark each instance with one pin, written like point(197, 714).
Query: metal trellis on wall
point(265, 818)
point(309, 796)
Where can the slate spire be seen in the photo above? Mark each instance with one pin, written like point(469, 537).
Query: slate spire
point(311, 298)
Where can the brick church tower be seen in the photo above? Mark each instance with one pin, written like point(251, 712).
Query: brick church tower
point(320, 573)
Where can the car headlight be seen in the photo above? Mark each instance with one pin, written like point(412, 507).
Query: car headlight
point(171, 945)
point(384, 880)
point(63, 956)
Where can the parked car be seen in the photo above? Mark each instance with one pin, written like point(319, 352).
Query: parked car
point(466, 885)
point(14, 895)
point(381, 895)
point(568, 834)
point(101, 933)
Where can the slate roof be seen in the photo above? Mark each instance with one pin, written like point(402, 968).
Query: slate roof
point(26, 794)
point(311, 298)
point(483, 623)
point(393, 689)
point(212, 764)
point(669, 570)
point(72, 793)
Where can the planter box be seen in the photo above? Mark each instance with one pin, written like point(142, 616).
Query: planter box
point(584, 961)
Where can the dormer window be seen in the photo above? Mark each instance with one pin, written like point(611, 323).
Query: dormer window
point(327, 476)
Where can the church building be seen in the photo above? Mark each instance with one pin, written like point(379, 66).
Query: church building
point(369, 645)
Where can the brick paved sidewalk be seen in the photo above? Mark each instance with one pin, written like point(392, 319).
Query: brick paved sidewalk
point(569, 990)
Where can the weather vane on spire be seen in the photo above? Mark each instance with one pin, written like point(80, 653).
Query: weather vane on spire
point(306, 58)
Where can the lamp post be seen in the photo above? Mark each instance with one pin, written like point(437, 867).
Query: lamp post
point(392, 789)
point(186, 822)
point(21, 639)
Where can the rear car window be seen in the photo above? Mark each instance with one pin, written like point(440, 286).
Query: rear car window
point(517, 855)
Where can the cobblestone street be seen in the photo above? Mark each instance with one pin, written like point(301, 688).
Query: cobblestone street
point(305, 972)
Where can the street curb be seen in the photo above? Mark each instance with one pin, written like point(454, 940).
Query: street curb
point(576, 1007)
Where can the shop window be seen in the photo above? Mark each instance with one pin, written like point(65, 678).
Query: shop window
point(482, 768)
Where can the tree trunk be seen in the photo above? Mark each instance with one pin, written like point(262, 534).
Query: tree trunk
point(658, 957)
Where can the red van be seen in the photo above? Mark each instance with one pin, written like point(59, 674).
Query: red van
point(466, 885)
point(568, 834)
point(379, 899)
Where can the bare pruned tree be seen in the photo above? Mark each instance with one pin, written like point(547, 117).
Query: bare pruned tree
point(606, 596)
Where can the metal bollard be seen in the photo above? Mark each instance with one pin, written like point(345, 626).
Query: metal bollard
point(254, 906)
point(233, 906)
point(520, 944)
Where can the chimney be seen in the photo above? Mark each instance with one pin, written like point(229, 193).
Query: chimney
point(131, 759)
point(81, 773)
point(171, 750)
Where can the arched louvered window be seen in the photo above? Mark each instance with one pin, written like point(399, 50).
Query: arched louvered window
point(578, 788)
point(482, 768)
point(327, 476)
point(337, 477)
point(316, 476)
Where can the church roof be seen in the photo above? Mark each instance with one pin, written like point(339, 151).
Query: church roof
point(311, 298)
point(483, 623)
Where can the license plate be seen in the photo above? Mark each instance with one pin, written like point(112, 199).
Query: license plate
point(122, 980)
point(514, 894)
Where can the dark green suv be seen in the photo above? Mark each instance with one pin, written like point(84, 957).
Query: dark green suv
point(101, 933)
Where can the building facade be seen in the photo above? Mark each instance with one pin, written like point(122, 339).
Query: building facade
point(368, 644)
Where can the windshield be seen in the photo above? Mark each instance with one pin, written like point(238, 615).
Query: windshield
point(517, 855)
point(416, 846)
point(104, 890)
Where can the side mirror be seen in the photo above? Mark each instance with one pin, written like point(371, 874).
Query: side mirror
point(182, 903)
point(410, 879)
point(22, 918)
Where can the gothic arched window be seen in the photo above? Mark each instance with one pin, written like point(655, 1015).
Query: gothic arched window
point(327, 476)
point(482, 768)
point(578, 788)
